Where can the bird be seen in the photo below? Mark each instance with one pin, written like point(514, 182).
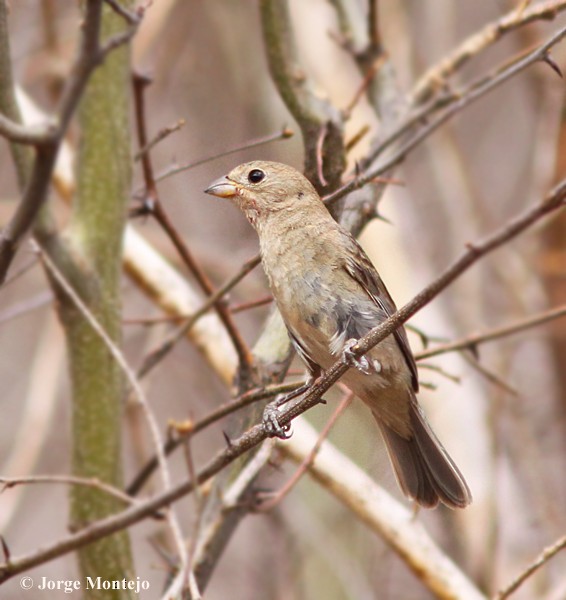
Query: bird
point(330, 295)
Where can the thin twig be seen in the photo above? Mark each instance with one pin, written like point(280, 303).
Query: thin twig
point(158, 212)
point(270, 501)
point(235, 308)
point(284, 134)
point(159, 137)
point(456, 103)
point(539, 561)
point(489, 375)
point(469, 342)
point(219, 413)
point(10, 482)
point(436, 76)
point(132, 18)
point(132, 380)
point(438, 369)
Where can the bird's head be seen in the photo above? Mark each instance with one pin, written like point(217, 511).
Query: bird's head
point(262, 188)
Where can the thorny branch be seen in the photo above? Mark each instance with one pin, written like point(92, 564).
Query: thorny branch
point(555, 201)
point(222, 411)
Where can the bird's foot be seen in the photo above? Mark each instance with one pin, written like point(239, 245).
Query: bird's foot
point(271, 423)
point(271, 413)
point(360, 363)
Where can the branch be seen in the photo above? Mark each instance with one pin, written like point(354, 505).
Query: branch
point(268, 501)
point(385, 516)
point(159, 137)
point(219, 413)
point(436, 76)
point(284, 134)
point(90, 56)
point(456, 102)
point(312, 113)
point(158, 212)
point(92, 482)
point(468, 343)
point(27, 134)
point(543, 558)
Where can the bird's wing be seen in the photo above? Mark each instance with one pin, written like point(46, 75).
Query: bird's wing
point(359, 267)
point(312, 366)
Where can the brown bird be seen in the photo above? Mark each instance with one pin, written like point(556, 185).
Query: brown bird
point(330, 295)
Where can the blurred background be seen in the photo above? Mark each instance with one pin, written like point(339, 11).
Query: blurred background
point(502, 417)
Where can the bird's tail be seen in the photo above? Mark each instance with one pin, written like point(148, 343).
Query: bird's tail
point(423, 468)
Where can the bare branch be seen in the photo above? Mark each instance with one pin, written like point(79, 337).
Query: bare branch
point(311, 112)
point(159, 137)
point(436, 76)
point(468, 343)
point(284, 134)
point(386, 517)
point(219, 413)
point(541, 559)
point(456, 102)
point(90, 56)
point(158, 212)
point(10, 482)
point(27, 134)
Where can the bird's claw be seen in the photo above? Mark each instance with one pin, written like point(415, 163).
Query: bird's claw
point(271, 423)
point(360, 363)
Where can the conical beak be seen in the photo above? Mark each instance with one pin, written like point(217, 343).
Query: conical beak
point(223, 188)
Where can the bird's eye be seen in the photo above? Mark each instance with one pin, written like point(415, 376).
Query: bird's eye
point(255, 175)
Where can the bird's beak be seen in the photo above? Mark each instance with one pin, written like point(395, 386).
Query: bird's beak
point(223, 188)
